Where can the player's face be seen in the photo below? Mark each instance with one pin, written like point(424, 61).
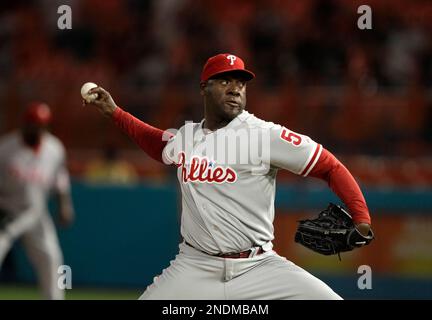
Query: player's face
point(32, 133)
point(225, 95)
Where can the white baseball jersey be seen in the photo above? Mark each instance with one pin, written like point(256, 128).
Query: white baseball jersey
point(27, 176)
point(227, 180)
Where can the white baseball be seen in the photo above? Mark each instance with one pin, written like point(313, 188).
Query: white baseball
point(85, 89)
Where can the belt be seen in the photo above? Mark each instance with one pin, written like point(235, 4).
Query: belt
point(236, 255)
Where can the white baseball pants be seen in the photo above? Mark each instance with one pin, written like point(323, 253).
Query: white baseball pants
point(194, 275)
point(43, 250)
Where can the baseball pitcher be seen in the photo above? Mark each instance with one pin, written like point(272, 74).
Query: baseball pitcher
point(227, 166)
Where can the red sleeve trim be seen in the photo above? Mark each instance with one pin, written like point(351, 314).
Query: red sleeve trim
point(312, 161)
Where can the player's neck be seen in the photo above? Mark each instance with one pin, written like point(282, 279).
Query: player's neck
point(213, 121)
point(214, 124)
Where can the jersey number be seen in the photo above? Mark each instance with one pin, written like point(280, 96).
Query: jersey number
point(291, 137)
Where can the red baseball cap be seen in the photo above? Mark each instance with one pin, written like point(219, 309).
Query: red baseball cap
point(38, 113)
point(224, 62)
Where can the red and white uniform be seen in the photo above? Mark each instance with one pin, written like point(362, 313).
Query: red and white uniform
point(27, 177)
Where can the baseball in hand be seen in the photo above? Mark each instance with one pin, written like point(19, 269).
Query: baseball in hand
point(85, 89)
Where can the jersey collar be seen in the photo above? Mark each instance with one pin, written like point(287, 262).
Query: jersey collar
point(236, 121)
point(200, 133)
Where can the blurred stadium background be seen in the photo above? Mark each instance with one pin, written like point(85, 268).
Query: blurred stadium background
point(363, 94)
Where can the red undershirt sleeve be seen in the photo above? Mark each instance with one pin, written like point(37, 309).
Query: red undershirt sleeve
point(343, 184)
point(148, 138)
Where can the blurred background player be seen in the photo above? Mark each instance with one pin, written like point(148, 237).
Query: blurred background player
point(32, 164)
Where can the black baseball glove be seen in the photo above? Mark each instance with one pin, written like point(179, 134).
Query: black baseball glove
point(332, 232)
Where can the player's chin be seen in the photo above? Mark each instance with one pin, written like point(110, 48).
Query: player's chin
point(232, 110)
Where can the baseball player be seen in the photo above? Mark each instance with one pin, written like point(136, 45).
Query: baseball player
point(32, 165)
point(228, 195)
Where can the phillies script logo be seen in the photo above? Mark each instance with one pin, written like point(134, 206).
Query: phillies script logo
point(203, 170)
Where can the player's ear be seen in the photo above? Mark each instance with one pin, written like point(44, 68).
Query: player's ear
point(203, 87)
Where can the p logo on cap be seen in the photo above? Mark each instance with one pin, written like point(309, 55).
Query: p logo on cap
point(224, 62)
point(232, 58)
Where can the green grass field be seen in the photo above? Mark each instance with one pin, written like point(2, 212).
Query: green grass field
point(26, 292)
